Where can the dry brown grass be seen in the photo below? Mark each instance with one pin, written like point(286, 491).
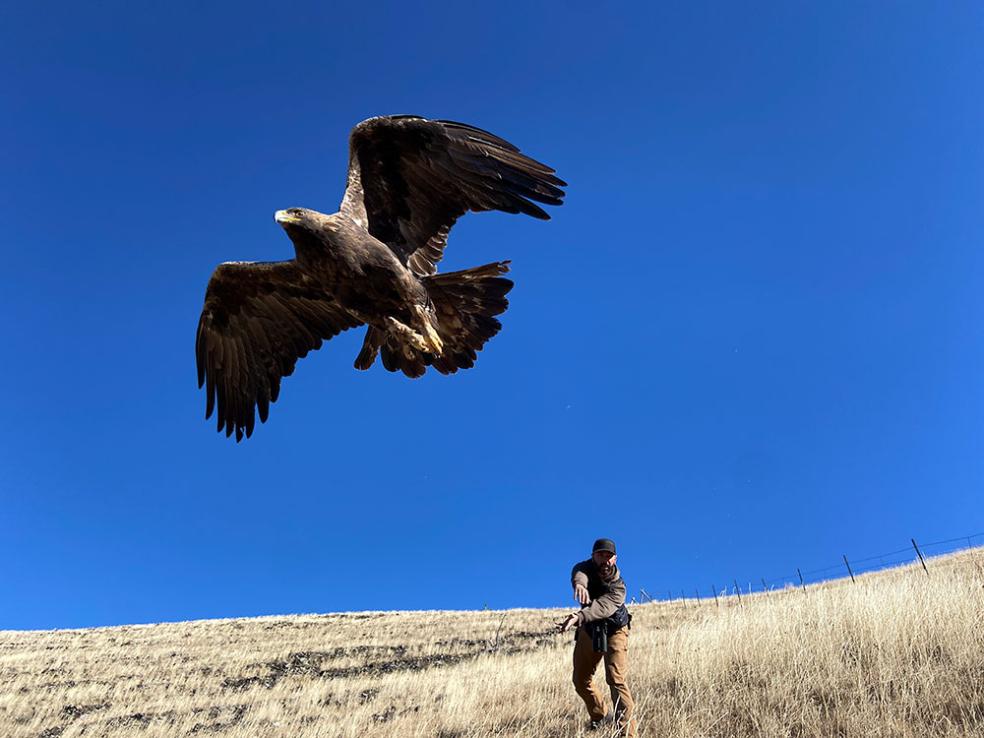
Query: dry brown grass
point(897, 654)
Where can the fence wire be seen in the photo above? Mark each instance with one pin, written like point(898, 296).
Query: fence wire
point(799, 578)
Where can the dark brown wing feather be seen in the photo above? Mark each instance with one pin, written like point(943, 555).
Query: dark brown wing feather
point(258, 320)
point(410, 179)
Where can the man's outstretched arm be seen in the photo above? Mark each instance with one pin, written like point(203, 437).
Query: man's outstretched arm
point(579, 581)
point(601, 607)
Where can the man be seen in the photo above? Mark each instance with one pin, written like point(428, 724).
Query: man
point(598, 586)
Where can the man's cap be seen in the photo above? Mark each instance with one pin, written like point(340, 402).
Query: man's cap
point(603, 544)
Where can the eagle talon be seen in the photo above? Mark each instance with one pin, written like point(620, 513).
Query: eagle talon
point(408, 334)
point(434, 343)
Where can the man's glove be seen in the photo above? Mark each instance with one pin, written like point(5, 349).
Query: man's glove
point(567, 623)
point(581, 594)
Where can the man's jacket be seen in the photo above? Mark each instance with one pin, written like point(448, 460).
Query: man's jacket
point(607, 595)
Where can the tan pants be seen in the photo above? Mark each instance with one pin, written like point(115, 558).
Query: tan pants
point(616, 669)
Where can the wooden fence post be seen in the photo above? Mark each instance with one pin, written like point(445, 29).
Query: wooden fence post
point(802, 584)
point(714, 590)
point(738, 592)
point(849, 569)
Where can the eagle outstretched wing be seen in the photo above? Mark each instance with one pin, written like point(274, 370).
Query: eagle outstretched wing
point(411, 178)
point(258, 320)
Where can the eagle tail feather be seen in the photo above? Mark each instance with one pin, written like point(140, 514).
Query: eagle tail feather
point(465, 305)
point(370, 348)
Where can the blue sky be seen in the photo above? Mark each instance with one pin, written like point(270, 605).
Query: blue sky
point(750, 340)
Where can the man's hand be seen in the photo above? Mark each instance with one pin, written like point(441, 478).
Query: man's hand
point(567, 623)
point(581, 594)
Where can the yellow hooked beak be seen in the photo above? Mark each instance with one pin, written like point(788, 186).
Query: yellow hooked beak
point(282, 216)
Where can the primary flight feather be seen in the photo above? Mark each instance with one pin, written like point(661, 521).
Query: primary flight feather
point(374, 263)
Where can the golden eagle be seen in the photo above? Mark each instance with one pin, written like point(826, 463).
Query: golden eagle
point(374, 262)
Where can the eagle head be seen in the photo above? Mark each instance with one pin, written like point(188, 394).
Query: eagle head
point(310, 231)
point(300, 217)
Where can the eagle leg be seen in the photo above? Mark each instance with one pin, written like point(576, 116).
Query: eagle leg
point(408, 334)
point(434, 343)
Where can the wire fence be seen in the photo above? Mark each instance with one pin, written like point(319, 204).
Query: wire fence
point(914, 553)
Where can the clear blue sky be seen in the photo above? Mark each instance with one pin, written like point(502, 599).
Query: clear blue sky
point(750, 340)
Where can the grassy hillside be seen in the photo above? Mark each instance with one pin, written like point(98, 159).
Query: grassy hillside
point(897, 654)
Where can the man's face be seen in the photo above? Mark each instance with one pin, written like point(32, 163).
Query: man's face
point(605, 561)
